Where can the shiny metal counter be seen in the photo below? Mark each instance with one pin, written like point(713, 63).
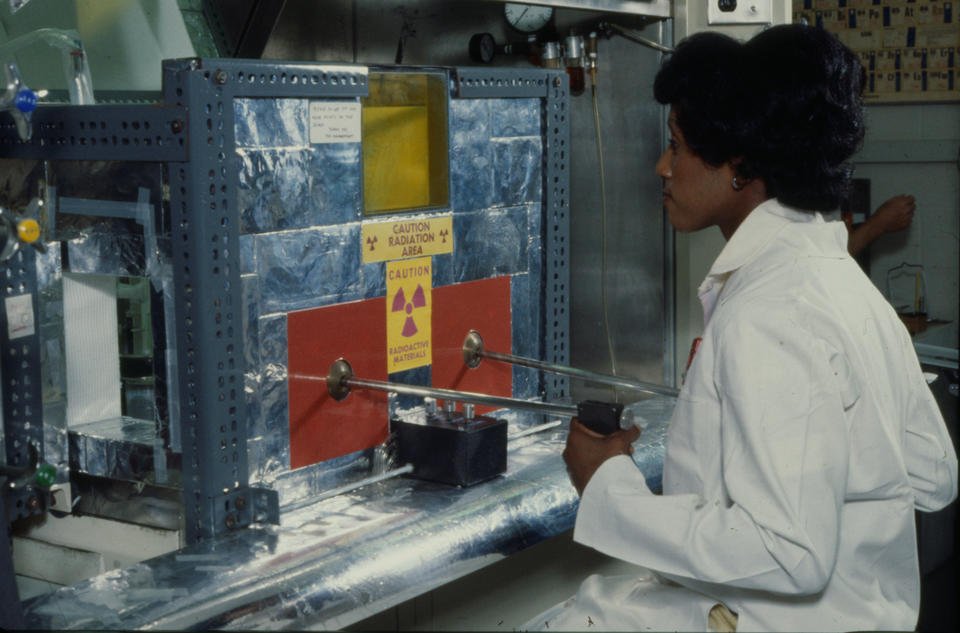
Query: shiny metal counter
point(343, 559)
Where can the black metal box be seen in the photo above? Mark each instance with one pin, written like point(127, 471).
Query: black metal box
point(452, 450)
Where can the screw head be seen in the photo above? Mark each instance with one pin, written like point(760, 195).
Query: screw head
point(220, 77)
point(231, 521)
point(556, 82)
point(176, 126)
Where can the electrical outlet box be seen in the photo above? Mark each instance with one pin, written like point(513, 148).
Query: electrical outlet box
point(740, 19)
point(739, 12)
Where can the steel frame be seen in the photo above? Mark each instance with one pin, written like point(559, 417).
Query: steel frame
point(70, 133)
point(552, 87)
point(193, 134)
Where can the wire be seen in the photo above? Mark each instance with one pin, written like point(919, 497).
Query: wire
point(603, 237)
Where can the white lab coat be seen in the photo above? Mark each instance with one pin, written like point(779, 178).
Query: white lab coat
point(801, 442)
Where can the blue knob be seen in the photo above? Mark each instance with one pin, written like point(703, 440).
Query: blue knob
point(26, 101)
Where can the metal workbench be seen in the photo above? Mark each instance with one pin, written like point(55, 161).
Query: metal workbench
point(338, 561)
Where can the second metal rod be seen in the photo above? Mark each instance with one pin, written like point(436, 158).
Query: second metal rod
point(473, 352)
point(341, 379)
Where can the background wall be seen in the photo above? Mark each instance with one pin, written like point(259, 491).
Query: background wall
point(915, 150)
point(910, 149)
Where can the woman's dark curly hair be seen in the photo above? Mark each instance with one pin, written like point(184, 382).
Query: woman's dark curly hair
point(784, 107)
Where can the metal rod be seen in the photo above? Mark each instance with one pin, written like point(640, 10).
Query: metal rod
point(341, 379)
point(502, 402)
point(630, 35)
point(390, 474)
point(473, 351)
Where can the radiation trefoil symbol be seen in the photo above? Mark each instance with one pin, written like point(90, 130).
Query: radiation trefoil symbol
point(400, 303)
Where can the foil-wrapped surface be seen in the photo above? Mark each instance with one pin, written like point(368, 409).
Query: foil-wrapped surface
point(117, 238)
point(339, 560)
point(119, 448)
point(332, 563)
point(107, 252)
point(53, 361)
point(301, 221)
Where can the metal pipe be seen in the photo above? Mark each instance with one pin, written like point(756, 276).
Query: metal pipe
point(630, 35)
point(473, 352)
point(341, 379)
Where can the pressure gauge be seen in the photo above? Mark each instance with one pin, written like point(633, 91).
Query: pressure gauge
point(527, 18)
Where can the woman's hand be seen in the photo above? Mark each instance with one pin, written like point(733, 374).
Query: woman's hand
point(587, 450)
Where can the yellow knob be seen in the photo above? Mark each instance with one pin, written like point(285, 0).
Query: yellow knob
point(28, 230)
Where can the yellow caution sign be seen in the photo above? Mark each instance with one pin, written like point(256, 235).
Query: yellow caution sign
point(409, 304)
point(399, 239)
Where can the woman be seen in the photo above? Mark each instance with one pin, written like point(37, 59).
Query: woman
point(804, 435)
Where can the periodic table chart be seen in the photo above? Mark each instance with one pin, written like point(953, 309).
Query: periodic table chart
point(910, 48)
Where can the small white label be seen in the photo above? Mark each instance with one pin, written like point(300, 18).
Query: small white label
point(334, 122)
point(20, 316)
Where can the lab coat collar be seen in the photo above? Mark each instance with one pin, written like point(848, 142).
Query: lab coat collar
point(751, 238)
point(756, 232)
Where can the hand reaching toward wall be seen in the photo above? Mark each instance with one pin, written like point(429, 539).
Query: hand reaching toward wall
point(893, 215)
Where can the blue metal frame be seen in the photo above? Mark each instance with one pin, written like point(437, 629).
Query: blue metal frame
point(552, 87)
point(194, 136)
point(20, 361)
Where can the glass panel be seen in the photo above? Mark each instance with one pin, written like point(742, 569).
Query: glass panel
point(405, 157)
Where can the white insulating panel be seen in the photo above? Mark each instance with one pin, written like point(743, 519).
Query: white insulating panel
point(93, 348)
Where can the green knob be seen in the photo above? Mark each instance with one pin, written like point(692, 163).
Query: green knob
point(46, 475)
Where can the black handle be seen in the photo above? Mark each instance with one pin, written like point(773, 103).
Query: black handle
point(598, 416)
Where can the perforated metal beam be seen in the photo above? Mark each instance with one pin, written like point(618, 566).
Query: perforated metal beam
point(553, 88)
point(114, 132)
point(209, 303)
point(20, 358)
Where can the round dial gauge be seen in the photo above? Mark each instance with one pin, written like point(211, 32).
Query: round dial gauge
point(527, 17)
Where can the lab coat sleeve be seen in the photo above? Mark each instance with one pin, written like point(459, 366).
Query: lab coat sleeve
point(928, 451)
point(784, 447)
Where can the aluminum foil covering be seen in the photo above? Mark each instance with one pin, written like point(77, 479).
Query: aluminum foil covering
point(271, 122)
point(53, 362)
point(516, 117)
point(300, 211)
point(518, 170)
point(274, 189)
point(107, 252)
point(471, 155)
point(495, 160)
point(335, 562)
point(248, 259)
point(526, 336)
point(304, 485)
point(490, 243)
point(308, 268)
point(374, 277)
point(118, 448)
point(299, 187)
